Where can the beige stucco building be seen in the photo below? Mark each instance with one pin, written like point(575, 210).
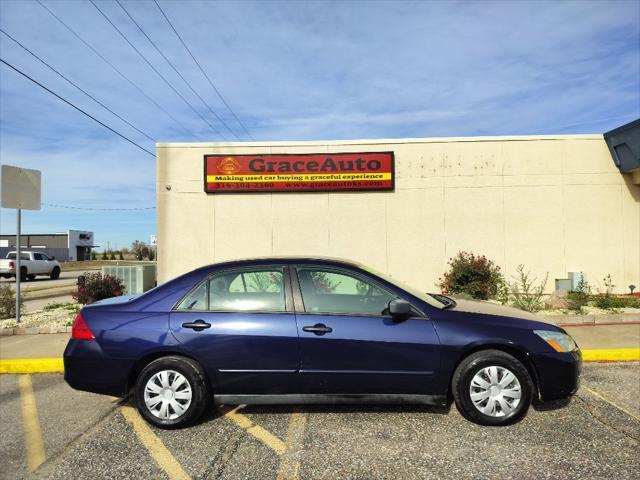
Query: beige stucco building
point(556, 204)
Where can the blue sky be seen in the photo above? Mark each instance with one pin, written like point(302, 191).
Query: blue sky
point(294, 71)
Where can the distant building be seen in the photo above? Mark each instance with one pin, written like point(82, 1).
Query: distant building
point(74, 245)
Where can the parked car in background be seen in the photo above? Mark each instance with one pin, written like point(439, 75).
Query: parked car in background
point(32, 264)
point(314, 330)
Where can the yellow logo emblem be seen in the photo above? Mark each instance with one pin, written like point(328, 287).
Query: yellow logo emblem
point(228, 166)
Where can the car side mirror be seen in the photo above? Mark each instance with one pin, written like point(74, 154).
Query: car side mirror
point(399, 308)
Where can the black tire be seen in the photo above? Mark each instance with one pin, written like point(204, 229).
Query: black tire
point(31, 277)
point(23, 274)
point(472, 365)
point(194, 374)
point(55, 273)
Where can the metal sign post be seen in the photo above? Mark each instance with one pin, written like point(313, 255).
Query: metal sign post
point(20, 190)
point(18, 271)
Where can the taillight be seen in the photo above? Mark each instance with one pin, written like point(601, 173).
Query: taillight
point(11, 264)
point(80, 329)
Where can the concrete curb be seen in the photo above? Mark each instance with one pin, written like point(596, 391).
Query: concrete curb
point(612, 318)
point(612, 355)
point(32, 365)
point(4, 332)
point(56, 365)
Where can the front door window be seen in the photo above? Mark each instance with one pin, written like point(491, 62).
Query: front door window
point(336, 292)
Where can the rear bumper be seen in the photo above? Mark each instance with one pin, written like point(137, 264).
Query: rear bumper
point(87, 368)
point(558, 374)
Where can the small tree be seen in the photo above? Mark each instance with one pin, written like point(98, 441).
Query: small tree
point(471, 274)
point(112, 257)
point(526, 294)
point(93, 255)
point(93, 287)
point(120, 257)
point(105, 255)
point(152, 254)
point(139, 249)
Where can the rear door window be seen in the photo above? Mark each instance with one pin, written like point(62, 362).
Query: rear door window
point(248, 290)
point(259, 290)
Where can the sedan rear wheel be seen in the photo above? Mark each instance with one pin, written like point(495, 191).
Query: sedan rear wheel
point(491, 387)
point(172, 392)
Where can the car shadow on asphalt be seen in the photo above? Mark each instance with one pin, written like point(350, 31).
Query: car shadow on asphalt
point(550, 406)
point(338, 408)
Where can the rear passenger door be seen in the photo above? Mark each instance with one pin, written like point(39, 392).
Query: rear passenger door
point(349, 344)
point(241, 325)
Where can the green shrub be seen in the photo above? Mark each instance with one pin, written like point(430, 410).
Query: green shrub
point(72, 307)
point(120, 257)
point(8, 302)
point(112, 257)
point(525, 293)
point(578, 298)
point(95, 287)
point(93, 255)
point(152, 254)
point(105, 255)
point(472, 274)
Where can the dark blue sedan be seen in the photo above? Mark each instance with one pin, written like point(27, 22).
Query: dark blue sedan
point(310, 330)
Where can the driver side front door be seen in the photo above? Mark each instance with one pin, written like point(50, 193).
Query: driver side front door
point(350, 345)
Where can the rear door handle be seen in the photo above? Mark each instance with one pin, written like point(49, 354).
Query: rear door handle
point(318, 329)
point(198, 325)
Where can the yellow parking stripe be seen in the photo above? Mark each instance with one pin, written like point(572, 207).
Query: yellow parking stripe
point(603, 398)
point(31, 422)
point(611, 355)
point(266, 437)
point(154, 445)
point(290, 465)
point(32, 365)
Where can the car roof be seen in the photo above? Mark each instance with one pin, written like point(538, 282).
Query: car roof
point(287, 260)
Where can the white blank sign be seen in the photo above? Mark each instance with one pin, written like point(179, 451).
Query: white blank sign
point(20, 188)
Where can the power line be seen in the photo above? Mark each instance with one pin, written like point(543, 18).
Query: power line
point(77, 108)
point(72, 83)
point(71, 207)
point(155, 69)
point(75, 34)
point(203, 72)
point(177, 71)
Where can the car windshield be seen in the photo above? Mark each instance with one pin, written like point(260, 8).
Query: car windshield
point(431, 300)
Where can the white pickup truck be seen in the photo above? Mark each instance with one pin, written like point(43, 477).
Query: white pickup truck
point(31, 265)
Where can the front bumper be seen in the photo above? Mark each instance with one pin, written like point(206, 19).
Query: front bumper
point(558, 374)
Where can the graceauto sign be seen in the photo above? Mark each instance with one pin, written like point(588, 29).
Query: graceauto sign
point(307, 172)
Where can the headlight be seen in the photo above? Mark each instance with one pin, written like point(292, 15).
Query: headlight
point(560, 342)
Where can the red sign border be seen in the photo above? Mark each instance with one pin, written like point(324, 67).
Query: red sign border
point(379, 189)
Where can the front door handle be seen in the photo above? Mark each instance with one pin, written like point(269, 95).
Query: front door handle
point(198, 325)
point(318, 329)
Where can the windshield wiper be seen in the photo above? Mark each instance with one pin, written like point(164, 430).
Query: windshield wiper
point(448, 302)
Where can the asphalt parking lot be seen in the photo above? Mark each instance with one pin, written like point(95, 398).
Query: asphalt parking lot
point(61, 433)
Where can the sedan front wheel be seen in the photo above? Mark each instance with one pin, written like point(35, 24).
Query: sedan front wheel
point(491, 387)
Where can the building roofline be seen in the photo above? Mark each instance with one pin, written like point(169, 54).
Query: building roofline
point(379, 141)
point(34, 234)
